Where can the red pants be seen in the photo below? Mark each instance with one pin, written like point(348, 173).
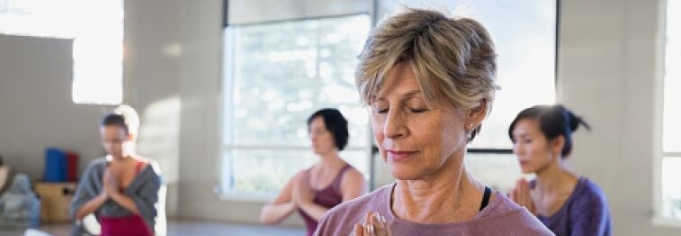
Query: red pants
point(125, 226)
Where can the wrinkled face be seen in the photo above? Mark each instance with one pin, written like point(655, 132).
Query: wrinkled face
point(417, 141)
point(531, 146)
point(322, 139)
point(114, 140)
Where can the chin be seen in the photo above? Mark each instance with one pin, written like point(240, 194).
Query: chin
point(403, 174)
point(527, 170)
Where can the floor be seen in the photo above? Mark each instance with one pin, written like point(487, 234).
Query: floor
point(190, 228)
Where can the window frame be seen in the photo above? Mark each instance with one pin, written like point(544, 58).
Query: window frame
point(660, 153)
point(228, 68)
point(372, 149)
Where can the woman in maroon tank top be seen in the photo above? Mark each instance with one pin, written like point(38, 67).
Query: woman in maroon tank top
point(331, 181)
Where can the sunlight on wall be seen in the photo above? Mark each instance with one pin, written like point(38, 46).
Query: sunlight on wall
point(96, 26)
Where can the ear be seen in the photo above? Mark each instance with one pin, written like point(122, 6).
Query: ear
point(131, 137)
point(557, 144)
point(476, 115)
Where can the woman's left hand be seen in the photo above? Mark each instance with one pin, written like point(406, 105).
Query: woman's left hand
point(522, 196)
point(302, 192)
point(110, 183)
point(374, 225)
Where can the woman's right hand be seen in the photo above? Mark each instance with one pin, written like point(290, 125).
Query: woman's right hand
point(106, 183)
point(522, 196)
point(374, 225)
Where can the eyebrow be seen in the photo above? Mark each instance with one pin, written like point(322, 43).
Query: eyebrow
point(409, 94)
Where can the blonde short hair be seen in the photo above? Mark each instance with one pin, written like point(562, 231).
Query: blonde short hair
point(453, 59)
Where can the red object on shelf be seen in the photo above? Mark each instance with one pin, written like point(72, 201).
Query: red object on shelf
point(71, 166)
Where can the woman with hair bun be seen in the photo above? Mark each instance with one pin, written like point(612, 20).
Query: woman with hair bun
point(567, 203)
point(122, 189)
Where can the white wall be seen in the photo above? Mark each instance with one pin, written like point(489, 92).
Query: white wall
point(200, 84)
point(36, 110)
point(609, 57)
point(152, 72)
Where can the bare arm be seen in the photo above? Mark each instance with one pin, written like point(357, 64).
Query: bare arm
point(126, 202)
point(91, 206)
point(352, 186)
point(522, 196)
point(281, 207)
point(111, 187)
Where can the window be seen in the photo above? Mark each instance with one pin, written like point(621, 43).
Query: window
point(97, 46)
point(280, 67)
point(671, 159)
point(277, 75)
point(524, 33)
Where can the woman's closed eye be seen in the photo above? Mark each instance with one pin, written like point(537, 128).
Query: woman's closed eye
point(381, 110)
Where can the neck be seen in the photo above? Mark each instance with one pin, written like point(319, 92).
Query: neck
point(122, 158)
point(330, 159)
point(555, 177)
point(448, 197)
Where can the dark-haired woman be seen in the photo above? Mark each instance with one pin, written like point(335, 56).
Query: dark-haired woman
point(567, 203)
point(121, 189)
point(312, 192)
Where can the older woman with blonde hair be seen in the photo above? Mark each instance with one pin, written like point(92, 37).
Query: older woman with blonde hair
point(429, 82)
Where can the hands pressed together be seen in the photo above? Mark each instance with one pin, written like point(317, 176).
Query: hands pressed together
point(110, 185)
point(522, 196)
point(374, 225)
point(302, 192)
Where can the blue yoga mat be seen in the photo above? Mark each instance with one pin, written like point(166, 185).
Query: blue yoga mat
point(55, 165)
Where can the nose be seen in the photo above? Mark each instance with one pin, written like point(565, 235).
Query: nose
point(518, 149)
point(395, 125)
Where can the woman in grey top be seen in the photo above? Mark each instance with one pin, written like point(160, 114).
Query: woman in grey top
point(121, 189)
point(429, 82)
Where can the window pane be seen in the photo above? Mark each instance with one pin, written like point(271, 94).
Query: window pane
point(276, 76)
point(497, 171)
point(671, 187)
point(283, 72)
point(266, 171)
point(525, 36)
point(672, 81)
point(253, 12)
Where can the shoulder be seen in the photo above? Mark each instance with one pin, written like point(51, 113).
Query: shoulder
point(300, 174)
point(352, 175)
point(503, 215)
point(587, 191)
point(102, 161)
point(588, 197)
point(372, 201)
point(97, 165)
point(148, 162)
point(345, 215)
point(154, 166)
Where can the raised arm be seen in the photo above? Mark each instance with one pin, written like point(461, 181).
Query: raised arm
point(280, 207)
point(90, 193)
point(352, 186)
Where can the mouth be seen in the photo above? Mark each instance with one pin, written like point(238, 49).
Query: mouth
point(396, 155)
point(524, 163)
